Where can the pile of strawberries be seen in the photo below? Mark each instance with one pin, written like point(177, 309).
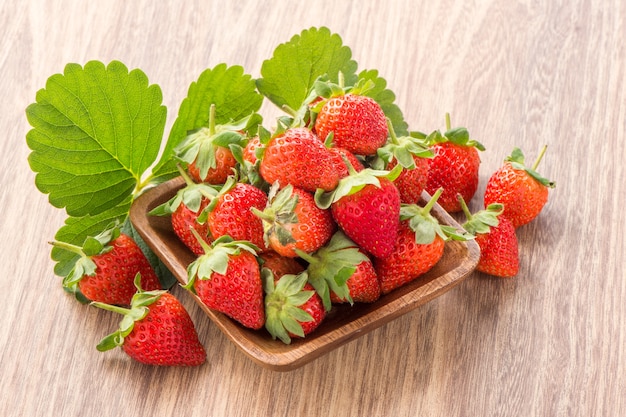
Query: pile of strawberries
point(323, 210)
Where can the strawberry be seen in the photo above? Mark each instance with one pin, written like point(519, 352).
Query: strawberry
point(207, 152)
point(521, 189)
point(338, 154)
point(292, 307)
point(454, 166)
point(366, 207)
point(419, 246)
point(229, 212)
point(292, 221)
point(495, 235)
point(341, 272)
point(280, 265)
point(413, 154)
point(297, 157)
point(156, 330)
point(186, 209)
point(357, 123)
point(227, 278)
point(106, 268)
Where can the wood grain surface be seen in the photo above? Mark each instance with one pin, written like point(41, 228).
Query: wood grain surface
point(550, 342)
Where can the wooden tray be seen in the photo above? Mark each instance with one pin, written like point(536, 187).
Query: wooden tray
point(343, 324)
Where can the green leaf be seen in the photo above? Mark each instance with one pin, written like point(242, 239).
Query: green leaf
point(227, 87)
point(96, 130)
point(386, 99)
point(288, 77)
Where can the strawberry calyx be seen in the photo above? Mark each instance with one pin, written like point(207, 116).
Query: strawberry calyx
point(84, 265)
point(282, 301)
point(404, 148)
point(200, 144)
point(330, 267)
point(216, 257)
point(517, 161)
point(458, 136)
point(425, 225)
point(354, 182)
point(482, 221)
point(137, 311)
point(279, 214)
point(191, 195)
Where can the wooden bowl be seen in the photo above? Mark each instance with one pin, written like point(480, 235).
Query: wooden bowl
point(343, 324)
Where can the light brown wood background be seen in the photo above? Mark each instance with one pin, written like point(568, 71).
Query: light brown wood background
point(551, 342)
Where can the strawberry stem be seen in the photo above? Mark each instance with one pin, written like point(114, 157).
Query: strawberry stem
point(464, 207)
point(212, 120)
point(205, 246)
point(184, 174)
point(432, 201)
point(109, 307)
point(392, 133)
point(448, 124)
point(538, 160)
point(68, 247)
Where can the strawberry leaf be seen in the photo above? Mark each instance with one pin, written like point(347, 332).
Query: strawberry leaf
point(228, 88)
point(96, 130)
point(385, 98)
point(288, 77)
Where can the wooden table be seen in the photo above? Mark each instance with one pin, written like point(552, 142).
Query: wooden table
point(550, 342)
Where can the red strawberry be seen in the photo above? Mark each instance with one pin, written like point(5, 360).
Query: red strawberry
point(229, 213)
point(106, 268)
point(413, 154)
point(186, 209)
point(356, 122)
point(521, 190)
point(280, 265)
point(207, 150)
point(341, 272)
point(299, 158)
point(495, 235)
point(156, 330)
point(338, 154)
point(366, 207)
point(454, 167)
point(292, 221)
point(419, 246)
point(227, 278)
point(292, 307)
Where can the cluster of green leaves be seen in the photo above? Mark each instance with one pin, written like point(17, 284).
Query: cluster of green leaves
point(97, 139)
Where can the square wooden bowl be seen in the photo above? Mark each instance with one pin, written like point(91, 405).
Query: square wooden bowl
point(343, 324)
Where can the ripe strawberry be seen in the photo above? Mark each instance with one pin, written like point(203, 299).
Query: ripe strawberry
point(207, 152)
point(419, 246)
point(341, 272)
point(366, 207)
point(413, 154)
point(292, 221)
point(521, 190)
point(280, 265)
point(186, 209)
point(106, 268)
point(156, 330)
point(227, 278)
point(292, 307)
point(454, 167)
point(356, 122)
point(229, 212)
point(338, 154)
point(495, 235)
point(299, 158)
